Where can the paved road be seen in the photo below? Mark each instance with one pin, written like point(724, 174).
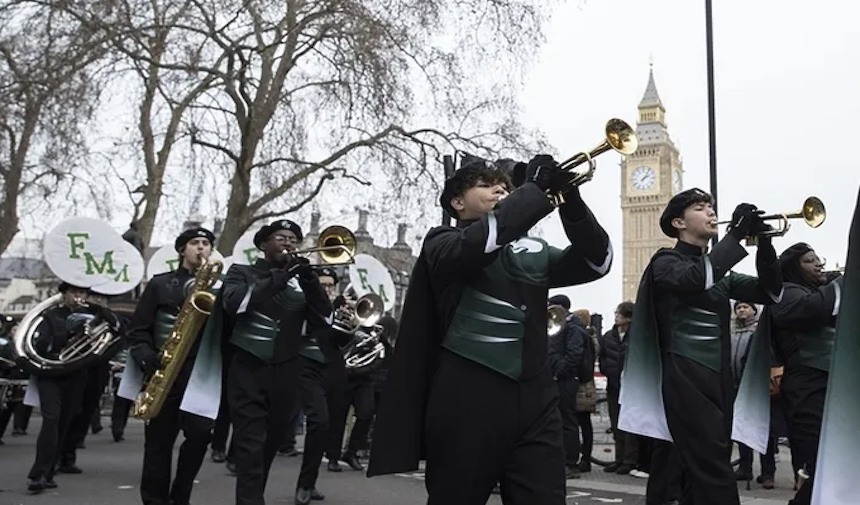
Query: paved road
point(112, 472)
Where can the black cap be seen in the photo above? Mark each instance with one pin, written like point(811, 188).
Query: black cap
point(328, 272)
point(190, 234)
point(281, 224)
point(65, 286)
point(676, 208)
point(789, 261)
point(562, 300)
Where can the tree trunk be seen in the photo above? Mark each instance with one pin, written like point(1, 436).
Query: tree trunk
point(238, 218)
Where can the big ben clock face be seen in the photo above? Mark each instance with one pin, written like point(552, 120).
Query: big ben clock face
point(676, 182)
point(643, 178)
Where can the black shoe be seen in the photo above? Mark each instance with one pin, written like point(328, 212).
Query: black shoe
point(231, 467)
point(303, 496)
point(17, 432)
point(81, 445)
point(219, 456)
point(353, 462)
point(50, 484)
point(117, 435)
point(37, 485)
point(612, 467)
point(624, 469)
point(584, 466)
point(290, 453)
point(740, 476)
point(316, 495)
point(70, 468)
point(333, 466)
point(97, 429)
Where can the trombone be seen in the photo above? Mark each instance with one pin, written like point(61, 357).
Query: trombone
point(335, 246)
point(620, 137)
point(812, 212)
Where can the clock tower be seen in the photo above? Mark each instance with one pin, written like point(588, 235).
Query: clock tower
point(649, 179)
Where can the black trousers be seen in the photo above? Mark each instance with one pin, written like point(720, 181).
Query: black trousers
point(312, 395)
point(59, 402)
point(97, 379)
point(626, 445)
point(767, 460)
point(359, 395)
point(482, 428)
point(587, 430)
point(664, 480)
point(262, 397)
point(693, 395)
point(567, 389)
point(338, 407)
point(160, 436)
point(119, 413)
point(804, 395)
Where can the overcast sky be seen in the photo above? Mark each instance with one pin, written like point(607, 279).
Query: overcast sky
point(786, 79)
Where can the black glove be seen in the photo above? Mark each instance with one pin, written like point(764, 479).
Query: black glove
point(544, 172)
point(295, 265)
point(149, 361)
point(338, 302)
point(766, 254)
point(745, 218)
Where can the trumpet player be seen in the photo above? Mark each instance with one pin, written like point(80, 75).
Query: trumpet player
point(685, 296)
point(803, 327)
point(468, 388)
point(59, 396)
point(270, 302)
point(149, 327)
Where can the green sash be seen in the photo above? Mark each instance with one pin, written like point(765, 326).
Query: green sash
point(256, 333)
point(162, 328)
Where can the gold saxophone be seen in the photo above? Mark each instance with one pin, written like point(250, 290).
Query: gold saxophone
point(174, 352)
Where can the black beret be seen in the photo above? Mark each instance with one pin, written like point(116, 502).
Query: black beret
point(751, 304)
point(562, 300)
point(65, 286)
point(191, 234)
point(676, 208)
point(281, 224)
point(328, 272)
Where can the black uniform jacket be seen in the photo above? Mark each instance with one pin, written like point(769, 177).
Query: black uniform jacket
point(164, 293)
point(438, 279)
point(253, 288)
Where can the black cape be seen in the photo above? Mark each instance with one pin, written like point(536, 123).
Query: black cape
point(398, 433)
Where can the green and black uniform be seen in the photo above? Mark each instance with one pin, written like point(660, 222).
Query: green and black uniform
point(468, 388)
point(269, 308)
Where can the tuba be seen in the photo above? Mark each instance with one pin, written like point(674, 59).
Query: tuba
point(196, 308)
point(89, 343)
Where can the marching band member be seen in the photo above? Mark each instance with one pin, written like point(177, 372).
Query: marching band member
point(59, 396)
point(803, 327)
point(468, 388)
point(318, 354)
point(684, 296)
point(151, 324)
point(269, 302)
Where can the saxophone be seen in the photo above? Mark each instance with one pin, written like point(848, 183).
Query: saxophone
point(174, 352)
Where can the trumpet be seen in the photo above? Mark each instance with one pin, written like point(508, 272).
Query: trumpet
point(556, 318)
point(335, 246)
point(362, 313)
point(812, 212)
point(620, 137)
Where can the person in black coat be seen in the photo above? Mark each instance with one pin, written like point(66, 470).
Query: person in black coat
point(803, 328)
point(564, 360)
point(613, 348)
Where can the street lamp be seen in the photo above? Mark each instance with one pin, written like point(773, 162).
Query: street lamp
point(712, 133)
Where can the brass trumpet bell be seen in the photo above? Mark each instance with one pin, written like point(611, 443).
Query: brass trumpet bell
point(556, 318)
point(364, 313)
point(812, 212)
point(620, 137)
point(335, 246)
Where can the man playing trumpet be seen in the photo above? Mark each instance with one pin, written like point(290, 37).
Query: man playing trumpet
point(682, 318)
point(270, 302)
point(468, 388)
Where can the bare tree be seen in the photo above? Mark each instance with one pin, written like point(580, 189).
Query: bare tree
point(48, 78)
point(318, 90)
